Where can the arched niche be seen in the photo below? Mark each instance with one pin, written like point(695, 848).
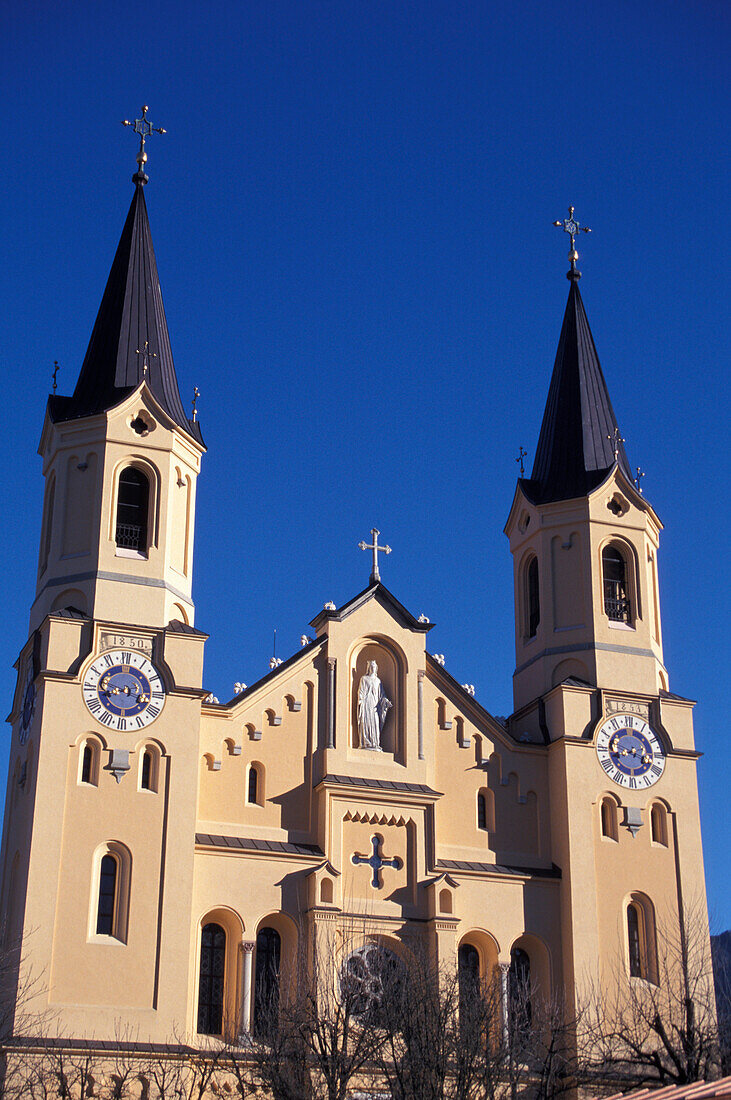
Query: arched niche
point(390, 671)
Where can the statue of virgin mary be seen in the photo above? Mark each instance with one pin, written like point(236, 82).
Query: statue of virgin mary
point(373, 707)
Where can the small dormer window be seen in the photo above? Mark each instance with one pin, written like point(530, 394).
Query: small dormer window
point(132, 509)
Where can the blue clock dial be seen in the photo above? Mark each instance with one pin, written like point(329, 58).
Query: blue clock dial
point(629, 751)
point(123, 690)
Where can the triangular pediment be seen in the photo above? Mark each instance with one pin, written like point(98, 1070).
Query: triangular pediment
point(384, 598)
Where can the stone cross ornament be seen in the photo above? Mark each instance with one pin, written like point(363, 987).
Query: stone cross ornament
point(377, 861)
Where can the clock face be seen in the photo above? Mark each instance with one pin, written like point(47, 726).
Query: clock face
point(630, 752)
point(28, 704)
point(123, 690)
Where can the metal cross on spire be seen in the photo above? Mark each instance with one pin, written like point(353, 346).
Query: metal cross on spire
point(375, 575)
point(572, 227)
point(196, 395)
point(521, 455)
point(616, 440)
point(55, 373)
point(638, 479)
point(144, 128)
point(146, 354)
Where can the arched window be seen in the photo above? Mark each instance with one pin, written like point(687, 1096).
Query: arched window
point(468, 960)
point(211, 980)
point(107, 903)
point(468, 970)
point(533, 597)
point(659, 824)
point(519, 991)
point(132, 507)
point(609, 818)
point(253, 789)
point(634, 927)
point(616, 593)
point(47, 524)
point(148, 764)
point(481, 812)
point(87, 764)
point(266, 982)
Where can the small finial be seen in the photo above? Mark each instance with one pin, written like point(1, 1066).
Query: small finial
point(572, 227)
point(55, 373)
point(144, 128)
point(196, 395)
point(521, 455)
point(638, 478)
point(615, 439)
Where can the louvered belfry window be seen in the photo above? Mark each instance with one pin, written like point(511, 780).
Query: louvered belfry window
point(616, 598)
point(132, 505)
point(534, 603)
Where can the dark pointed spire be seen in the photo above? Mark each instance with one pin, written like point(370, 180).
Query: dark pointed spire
point(130, 339)
point(579, 433)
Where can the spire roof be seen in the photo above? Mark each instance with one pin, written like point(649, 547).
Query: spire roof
point(130, 333)
point(576, 446)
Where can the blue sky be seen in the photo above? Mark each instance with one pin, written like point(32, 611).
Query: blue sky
point(352, 215)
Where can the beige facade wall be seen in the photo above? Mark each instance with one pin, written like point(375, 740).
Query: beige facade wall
point(491, 833)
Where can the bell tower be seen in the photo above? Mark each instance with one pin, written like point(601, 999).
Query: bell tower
point(583, 538)
point(120, 456)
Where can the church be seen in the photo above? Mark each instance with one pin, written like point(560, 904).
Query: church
point(166, 857)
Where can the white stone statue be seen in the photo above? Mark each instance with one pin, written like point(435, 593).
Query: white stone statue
point(373, 707)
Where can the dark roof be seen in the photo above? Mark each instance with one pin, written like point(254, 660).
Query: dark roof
point(208, 840)
point(130, 313)
point(378, 784)
point(176, 626)
point(497, 868)
point(575, 452)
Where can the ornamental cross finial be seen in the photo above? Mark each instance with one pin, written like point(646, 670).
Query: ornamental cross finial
point(615, 439)
point(638, 479)
point(55, 372)
point(144, 128)
point(521, 455)
point(196, 395)
point(377, 861)
point(572, 227)
point(375, 575)
point(146, 354)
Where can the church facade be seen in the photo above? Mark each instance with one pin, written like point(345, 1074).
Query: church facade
point(167, 857)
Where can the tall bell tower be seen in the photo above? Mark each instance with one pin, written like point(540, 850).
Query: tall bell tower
point(120, 456)
point(110, 680)
point(583, 538)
